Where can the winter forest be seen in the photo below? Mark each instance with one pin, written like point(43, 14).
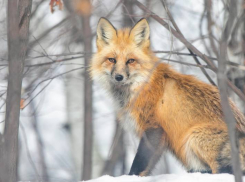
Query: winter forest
point(58, 125)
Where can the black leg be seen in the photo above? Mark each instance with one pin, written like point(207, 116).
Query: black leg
point(193, 171)
point(226, 169)
point(148, 153)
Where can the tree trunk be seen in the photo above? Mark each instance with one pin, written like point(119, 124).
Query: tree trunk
point(40, 146)
point(74, 98)
point(88, 125)
point(18, 18)
point(117, 155)
point(228, 115)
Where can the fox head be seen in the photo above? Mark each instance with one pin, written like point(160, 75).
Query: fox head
point(124, 56)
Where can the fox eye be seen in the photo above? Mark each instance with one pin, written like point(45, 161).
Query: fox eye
point(112, 60)
point(130, 61)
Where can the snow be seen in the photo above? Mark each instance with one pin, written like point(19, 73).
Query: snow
point(188, 177)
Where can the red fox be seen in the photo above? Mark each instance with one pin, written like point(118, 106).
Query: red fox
point(167, 109)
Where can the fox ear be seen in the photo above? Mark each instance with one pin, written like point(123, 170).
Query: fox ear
point(140, 32)
point(105, 32)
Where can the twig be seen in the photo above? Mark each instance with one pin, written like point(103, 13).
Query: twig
point(46, 54)
point(44, 34)
point(200, 29)
point(114, 9)
point(188, 64)
point(194, 57)
point(50, 80)
point(28, 152)
point(189, 45)
point(183, 54)
point(208, 5)
point(129, 15)
point(38, 93)
point(54, 61)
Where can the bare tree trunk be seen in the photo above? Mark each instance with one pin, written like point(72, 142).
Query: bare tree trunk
point(117, 154)
point(243, 35)
point(88, 112)
point(228, 115)
point(236, 55)
point(74, 98)
point(2, 157)
point(40, 147)
point(18, 32)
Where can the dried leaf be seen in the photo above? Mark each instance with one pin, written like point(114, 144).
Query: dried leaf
point(83, 7)
point(22, 103)
point(54, 3)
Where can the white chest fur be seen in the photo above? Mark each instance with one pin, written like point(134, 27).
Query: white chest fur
point(127, 121)
point(122, 95)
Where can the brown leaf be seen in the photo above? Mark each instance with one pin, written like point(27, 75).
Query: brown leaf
point(54, 3)
point(83, 7)
point(22, 104)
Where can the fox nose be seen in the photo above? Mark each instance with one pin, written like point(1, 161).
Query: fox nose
point(119, 77)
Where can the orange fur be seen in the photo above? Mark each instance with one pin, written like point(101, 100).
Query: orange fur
point(154, 95)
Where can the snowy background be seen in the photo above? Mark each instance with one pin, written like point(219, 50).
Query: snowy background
point(51, 125)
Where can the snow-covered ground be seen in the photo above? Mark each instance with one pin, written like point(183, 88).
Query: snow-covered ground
point(188, 177)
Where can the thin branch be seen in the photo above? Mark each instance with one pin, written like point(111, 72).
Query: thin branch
point(183, 54)
point(115, 151)
point(45, 53)
point(50, 80)
point(38, 93)
point(28, 153)
point(40, 145)
point(188, 45)
point(44, 34)
point(185, 63)
point(54, 61)
point(208, 5)
point(57, 61)
point(114, 9)
point(194, 57)
point(200, 29)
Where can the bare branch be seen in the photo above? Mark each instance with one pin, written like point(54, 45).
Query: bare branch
point(50, 80)
point(187, 64)
point(228, 114)
point(188, 45)
point(44, 34)
point(208, 5)
point(194, 57)
point(28, 152)
point(200, 29)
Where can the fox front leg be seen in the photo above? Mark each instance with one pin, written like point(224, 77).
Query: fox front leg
point(149, 151)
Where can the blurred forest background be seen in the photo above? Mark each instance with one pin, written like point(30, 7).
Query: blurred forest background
point(68, 129)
